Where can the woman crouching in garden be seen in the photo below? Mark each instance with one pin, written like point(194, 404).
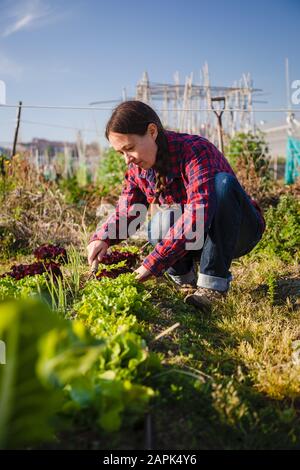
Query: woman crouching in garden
point(214, 220)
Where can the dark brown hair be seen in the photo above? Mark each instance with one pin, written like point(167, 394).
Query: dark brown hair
point(133, 117)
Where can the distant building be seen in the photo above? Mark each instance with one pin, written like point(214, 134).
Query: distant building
point(276, 138)
point(62, 157)
point(4, 151)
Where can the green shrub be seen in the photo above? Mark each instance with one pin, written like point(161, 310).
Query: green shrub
point(72, 191)
point(251, 152)
point(111, 170)
point(282, 235)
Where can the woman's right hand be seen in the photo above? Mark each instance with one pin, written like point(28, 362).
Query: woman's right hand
point(96, 251)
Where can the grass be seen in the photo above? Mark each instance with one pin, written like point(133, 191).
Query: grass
point(247, 393)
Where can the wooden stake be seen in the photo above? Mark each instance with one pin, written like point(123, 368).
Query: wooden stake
point(17, 128)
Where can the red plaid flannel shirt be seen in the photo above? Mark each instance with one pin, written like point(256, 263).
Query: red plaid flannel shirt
point(190, 180)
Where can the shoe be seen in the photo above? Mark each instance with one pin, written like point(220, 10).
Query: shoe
point(204, 298)
point(185, 280)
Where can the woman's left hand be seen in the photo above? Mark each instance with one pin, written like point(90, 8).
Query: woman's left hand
point(142, 274)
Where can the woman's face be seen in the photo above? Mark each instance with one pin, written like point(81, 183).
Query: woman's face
point(137, 149)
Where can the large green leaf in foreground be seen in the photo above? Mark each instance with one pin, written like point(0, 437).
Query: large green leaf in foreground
point(27, 406)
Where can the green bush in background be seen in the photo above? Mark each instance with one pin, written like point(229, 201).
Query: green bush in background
point(282, 235)
point(251, 151)
point(111, 170)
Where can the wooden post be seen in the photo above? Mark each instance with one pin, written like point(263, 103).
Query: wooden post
point(219, 116)
point(17, 128)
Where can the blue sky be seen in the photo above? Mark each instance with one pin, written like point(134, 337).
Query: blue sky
point(75, 52)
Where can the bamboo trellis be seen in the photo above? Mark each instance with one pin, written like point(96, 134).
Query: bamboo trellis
point(182, 104)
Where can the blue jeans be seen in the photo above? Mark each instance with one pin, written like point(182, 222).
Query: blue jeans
point(234, 231)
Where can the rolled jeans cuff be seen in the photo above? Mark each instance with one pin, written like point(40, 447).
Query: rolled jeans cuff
point(213, 282)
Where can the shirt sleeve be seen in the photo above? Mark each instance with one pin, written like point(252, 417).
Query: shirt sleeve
point(198, 176)
point(115, 228)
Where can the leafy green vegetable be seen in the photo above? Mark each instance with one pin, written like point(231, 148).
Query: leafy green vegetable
point(98, 366)
point(97, 374)
point(26, 405)
point(111, 305)
point(30, 286)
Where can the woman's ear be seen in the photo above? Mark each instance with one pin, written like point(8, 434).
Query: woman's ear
point(152, 129)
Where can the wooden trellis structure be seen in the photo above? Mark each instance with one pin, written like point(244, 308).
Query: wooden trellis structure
point(188, 107)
